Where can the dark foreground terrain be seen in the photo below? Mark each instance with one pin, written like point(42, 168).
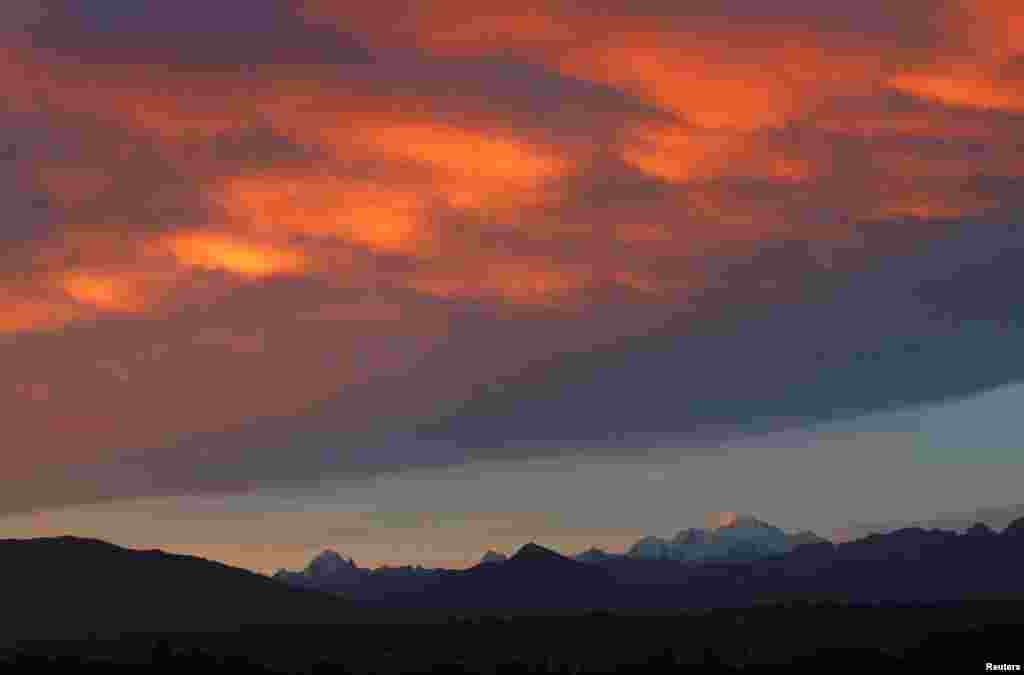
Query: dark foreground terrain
point(960, 638)
point(913, 598)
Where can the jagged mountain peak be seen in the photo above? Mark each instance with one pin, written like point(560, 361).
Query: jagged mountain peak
point(534, 551)
point(329, 562)
point(594, 554)
point(493, 556)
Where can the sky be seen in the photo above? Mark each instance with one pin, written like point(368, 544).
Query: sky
point(415, 280)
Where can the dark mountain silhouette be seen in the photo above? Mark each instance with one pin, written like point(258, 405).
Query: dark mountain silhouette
point(534, 577)
point(326, 572)
point(802, 538)
point(70, 586)
point(595, 554)
point(909, 565)
point(493, 557)
point(330, 564)
point(997, 518)
point(743, 538)
point(330, 573)
point(532, 553)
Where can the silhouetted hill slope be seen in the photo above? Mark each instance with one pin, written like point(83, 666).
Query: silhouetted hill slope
point(72, 586)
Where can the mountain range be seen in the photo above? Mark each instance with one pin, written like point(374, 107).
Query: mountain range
point(73, 586)
point(740, 538)
point(743, 537)
point(998, 518)
point(737, 564)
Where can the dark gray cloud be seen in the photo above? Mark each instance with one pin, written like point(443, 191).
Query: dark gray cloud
point(934, 324)
point(191, 36)
point(85, 174)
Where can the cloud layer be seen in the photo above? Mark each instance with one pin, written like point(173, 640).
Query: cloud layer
point(257, 242)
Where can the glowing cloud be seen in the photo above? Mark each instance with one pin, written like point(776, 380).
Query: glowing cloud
point(381, 217)
point(971, 90)
point(473, 169)
point(219, 251)
point(18, 315)
point(681, 154)
point(107, 292)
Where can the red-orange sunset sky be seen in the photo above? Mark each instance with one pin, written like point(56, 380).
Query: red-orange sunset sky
point(273, 247)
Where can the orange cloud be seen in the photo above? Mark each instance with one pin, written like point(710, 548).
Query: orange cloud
point(965, 88)
point(17, 315)
point(461, 151)
point(681, 154)
point(993, 27)
point(107, 292)
point(724, 71)
point(973, 69)
point(472, 169)
point(713, 71)
point(378, 216)
point(226, 252)
point(705, 93)
point(420, 167)
point(922, 204)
